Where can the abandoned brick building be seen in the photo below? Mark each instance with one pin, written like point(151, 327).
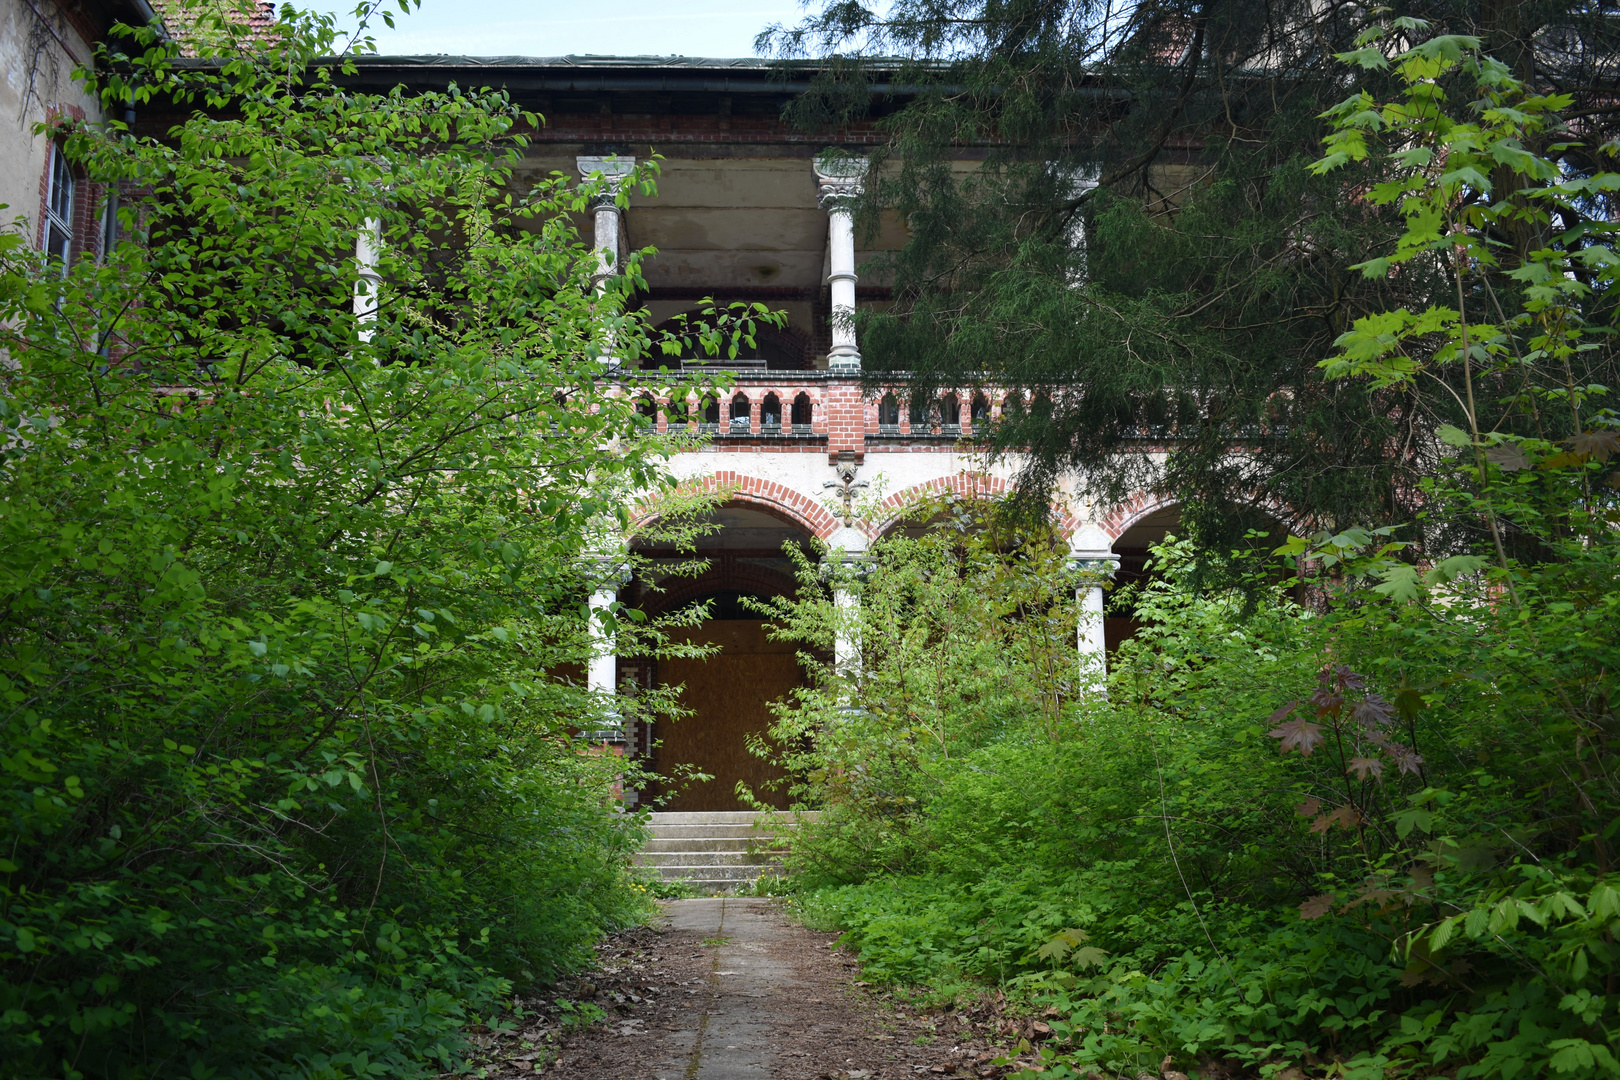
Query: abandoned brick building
point(748, 208)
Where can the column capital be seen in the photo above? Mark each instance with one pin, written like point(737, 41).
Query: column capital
point(614, 170)
point(1100, 564)
point(840, 179)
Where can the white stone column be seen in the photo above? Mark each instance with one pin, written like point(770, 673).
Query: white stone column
point(602, 671)
point(839, 182)
point(1095, 568)
point(1080, 179)
point(367, 250)
point(603, 674)
point(609, 223)
point(846, 551)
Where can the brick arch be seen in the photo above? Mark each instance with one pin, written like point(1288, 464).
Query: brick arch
point(1122, 516)
point(780, 501)
point(965, 484)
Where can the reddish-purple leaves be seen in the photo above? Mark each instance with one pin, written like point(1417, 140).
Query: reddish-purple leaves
point(1372, 713)
point(1343, 678)
point(1316, 907)
point(1328, 702)
point(1596, 444)
point(1282, 713)
point(1407, 760)
point(1345, 817)
point(1309, 808)
point(1508, 457)
point(1364, 767)
point(1301, 735)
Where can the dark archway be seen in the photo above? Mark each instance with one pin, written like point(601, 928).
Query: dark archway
point(1131, 547)
point(729, 693)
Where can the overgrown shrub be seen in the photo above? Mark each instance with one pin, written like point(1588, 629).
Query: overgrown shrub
point(289, 587)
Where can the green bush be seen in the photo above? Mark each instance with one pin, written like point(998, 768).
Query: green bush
point(288, 593)
point(1360, 820)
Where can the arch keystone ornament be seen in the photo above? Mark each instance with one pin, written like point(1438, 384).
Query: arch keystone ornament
point(846, 486)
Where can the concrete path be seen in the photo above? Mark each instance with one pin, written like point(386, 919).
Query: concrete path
point(728, 989)
point(732, 1037)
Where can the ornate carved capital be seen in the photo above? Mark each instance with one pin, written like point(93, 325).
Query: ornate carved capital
point(613, 169)
point(840, 179)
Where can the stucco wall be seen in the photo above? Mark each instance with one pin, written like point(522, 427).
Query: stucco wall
point(37, 58)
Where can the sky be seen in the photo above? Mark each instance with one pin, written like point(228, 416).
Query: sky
point(554, 28)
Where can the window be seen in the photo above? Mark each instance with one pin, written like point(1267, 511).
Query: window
point(801, 414)
point(709, 413)
point(740, 410)
point(675, 413)
point(647, 410)
point(770, 413)
point(917, 415)
point(109, 223)
point(951, 415)
point(979, 412)
point(59, 210)
point(888, 415)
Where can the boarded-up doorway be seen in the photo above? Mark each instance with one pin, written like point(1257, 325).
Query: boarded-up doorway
point(729, 695)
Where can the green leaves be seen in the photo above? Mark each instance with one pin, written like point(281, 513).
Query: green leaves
point(256, 555)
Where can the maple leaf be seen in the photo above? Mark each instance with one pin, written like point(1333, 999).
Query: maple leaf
point(1301, 735)
point(1061, 943)
point(1508, 457)
point(1278, 716)
point(1596, 444)
point(1364, 767)
point(1417, 973)
point(1309, 808)
point(1347, 679)
point(1327, 701)
point(1407, 760)
point(1316, 907)
point(1346, 817)
point(1372, 712)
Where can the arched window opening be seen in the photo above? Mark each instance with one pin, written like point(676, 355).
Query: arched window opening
point(950, 415)
point(675, 413)
point(741, 414)
point(917, 415)
point(979, 411)
point(1013, 404)
point(770, 414)
point(647, 412)
point(888, 416)
point(709, 413)
point(802, 416)
point(1041, 408)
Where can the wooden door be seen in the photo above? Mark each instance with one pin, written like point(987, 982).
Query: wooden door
point(729, 695)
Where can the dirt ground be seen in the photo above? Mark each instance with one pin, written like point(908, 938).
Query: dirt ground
point(729, 989)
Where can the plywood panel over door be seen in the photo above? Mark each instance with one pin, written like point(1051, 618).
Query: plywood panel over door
point(729, 695)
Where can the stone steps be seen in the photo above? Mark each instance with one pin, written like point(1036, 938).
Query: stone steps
point(715, 851)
